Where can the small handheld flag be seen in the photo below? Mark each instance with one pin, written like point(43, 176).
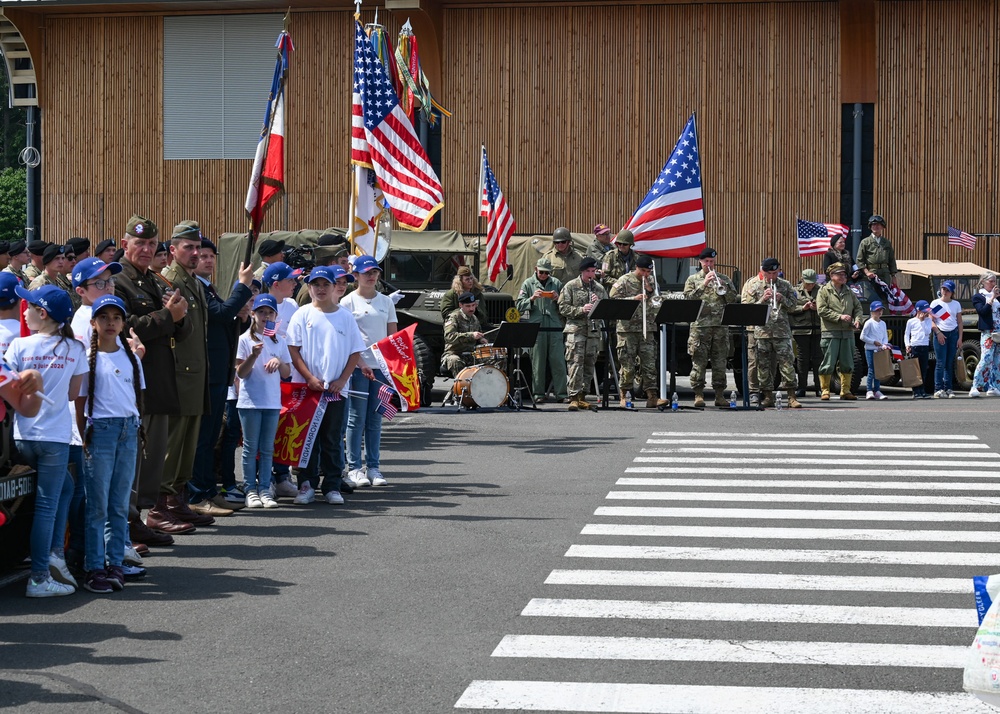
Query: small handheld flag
point(386, 408)
point(270, 328)
point(940, 312)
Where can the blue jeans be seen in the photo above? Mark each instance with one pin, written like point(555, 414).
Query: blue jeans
point(109, 470)
point(52, 497)
point(77, 505)
point(870, 357)
point(259, 428)
point(945, 356)
point(364, 421)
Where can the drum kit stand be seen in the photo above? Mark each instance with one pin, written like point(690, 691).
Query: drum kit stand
point(485, 384)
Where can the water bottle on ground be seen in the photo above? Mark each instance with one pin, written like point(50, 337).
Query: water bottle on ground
point(732, 399)
point(628, 399)
point(778, 401)
point(674, 403)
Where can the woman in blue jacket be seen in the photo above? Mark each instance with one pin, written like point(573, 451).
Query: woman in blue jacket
point(987, 304)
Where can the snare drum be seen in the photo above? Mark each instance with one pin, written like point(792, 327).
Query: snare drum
point(487, 354)
point(481, 386)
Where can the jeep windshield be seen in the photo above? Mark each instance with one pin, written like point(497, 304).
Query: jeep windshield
point(424, 271)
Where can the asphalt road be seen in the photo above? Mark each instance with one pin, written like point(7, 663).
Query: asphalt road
point(397, 601)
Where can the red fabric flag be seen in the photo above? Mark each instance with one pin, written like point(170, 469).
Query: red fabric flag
point(397, 361)
point(297, 424)
point(500, 224)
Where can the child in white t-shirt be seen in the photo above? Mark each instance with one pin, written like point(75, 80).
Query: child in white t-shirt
point(325, 345)
point(43, 440)
point(262, 360)
point(876, 338)
point(10, 313)
point(107, 411)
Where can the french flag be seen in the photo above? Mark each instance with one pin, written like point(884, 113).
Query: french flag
point(897, 354)
point(940, 312)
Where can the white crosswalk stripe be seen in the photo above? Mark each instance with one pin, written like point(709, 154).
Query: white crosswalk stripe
point(858, 539)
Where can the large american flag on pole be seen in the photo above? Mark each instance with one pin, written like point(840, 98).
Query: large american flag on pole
point(383, 139)
point(670, 221)
point(500, 224)
point(814, 238)
point(961, 238)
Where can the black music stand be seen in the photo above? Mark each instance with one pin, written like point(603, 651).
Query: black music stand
point(610, 310)
point(673, 313)
point(516, 337)
point(407, 300)
point(744, 316)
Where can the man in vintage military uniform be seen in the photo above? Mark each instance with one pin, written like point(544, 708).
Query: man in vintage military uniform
point(159, 321)
point(537, 303)
point(709, 338)
point(806, 332)
point(19, 258)
point(840, 315)
point(36, 249)
point(618, 262)
point(565, 261)
point(774, 338)
point(599, 249)
point(583, 335)
point(632, 346)
point(876, 256)
point(462, 333)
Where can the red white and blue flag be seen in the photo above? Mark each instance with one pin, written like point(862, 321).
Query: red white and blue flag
point(897, 354)
point(899, 302)
point(385, 406)
point(383, 139)
point(961, 238)
point(814, 238)
point(940, 312)
point(267, 181)
point(670, 221)
point(270, 328)
point(500, 224)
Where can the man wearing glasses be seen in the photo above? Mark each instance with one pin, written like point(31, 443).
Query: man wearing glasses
point(565, 261)
point(537, 302)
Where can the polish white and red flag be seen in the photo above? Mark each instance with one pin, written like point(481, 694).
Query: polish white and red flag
point(267, 181)
point(670, 221)
point(383, 139)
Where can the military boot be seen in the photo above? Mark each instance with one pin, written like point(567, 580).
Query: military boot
point(768, 400)
point(720, 398)
point(574, 403)
point(793, 403)
point(699, 397)
point(653, 400)
point(824, 385)
point(845, 387)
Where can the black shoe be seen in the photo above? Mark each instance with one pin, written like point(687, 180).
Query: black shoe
point(346, 488)
point(800, 392)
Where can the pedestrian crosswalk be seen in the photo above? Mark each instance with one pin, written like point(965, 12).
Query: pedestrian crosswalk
point(747, 572)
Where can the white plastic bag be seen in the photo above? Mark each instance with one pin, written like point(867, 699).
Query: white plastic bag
point(982, 669)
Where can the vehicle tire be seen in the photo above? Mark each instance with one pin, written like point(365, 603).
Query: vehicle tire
point(971, 353)
point(427, 369)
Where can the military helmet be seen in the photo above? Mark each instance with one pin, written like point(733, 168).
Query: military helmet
point(561, 233)
point(876, 218)
point(625, 237)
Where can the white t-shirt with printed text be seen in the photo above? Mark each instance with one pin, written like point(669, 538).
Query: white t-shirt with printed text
point(58, 359)
point(114, 385)
point(326, 340)
point(260, 390)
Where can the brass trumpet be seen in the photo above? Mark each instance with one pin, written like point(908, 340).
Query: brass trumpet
point(720, 287)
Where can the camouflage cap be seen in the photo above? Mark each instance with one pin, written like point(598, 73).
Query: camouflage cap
point(189, 230)
point(140, 227)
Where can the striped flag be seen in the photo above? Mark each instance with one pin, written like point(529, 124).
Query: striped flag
point(814, 238)
point(267, 180)
point(670, 221)
point(270, 328)
point(897, 354)
point(383, 139)
point(500, 224)
point(899, 302)
point(386, 408)
point(940, 312)
point(961, 238)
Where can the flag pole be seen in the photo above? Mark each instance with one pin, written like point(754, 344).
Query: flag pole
point(479, 212)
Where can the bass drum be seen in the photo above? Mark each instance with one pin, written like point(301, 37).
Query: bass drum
point(481, 386)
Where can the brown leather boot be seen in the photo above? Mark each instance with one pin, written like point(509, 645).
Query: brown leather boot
point(178, 506)
point(768, 400)
point(160, 518)
point(209, 508)
point(793, 403)
point(845, 387)
point(653, 400)
point(139, 532)
point(699, 397)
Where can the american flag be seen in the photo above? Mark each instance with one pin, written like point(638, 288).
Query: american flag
point(383, 139)
point(386, 408)
point(270, 328)
point(670, 221)
point(899, 302)
point(814, 238)
point(500, 224)
point(957, 237)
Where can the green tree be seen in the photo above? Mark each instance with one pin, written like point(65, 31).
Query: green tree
point(13, 203)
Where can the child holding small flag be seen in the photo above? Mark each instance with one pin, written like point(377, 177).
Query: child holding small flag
point(946, 313)
point(917, 340)
point(876, 338)
point(262, 359)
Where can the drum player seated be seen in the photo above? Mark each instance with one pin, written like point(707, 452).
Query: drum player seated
point(462, 333)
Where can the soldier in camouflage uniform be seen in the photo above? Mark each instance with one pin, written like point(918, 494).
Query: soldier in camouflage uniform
point(565, 261)
point(33, 269)
point(774, 338)
point(618, 262)
point(632, 346)
point(806, 331)
point(54, 261)
point(709, 338)
point(536, 301)
point(461, 335)
point(839, 315)
point(876, 256)
point(583, 335)
point(270, 251)
point(601, 246)
point(18, 253)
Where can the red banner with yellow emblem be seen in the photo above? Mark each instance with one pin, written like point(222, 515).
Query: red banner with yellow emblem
point(297, 426)
point(395, 356)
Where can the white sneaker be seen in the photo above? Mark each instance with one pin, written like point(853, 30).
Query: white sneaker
point(348, 481)
point(951, 394)
point(48, 588)
point(974, 393)
point(359, 478)
point(285, 489)
point(253, 500)
point(267, 500)
point(940, 394)
point(880, 396)
point(334, 498)
point(993, 392)
point(306, 494)
point(377, 478)
point(870, 395)
point(131, 556)
point(59, 571)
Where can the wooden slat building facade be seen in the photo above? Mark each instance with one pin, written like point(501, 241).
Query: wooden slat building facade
point(578, 103)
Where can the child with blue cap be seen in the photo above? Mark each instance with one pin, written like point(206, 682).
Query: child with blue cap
point(876, 338)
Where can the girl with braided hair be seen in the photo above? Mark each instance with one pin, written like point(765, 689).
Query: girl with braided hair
point(108, 410)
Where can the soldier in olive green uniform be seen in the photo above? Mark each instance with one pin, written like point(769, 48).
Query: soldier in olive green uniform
point(583, 335)
point(565, 261)
point(462, 333)
point(270, 251)
point(18, 252)
point(876, 256)
point(537, 303)
point(601, 246)
point(774, 338)
point(36, 249)
point(840, 315)
point(620, 261)
point(806, 331)
point(709, 338)
point(632, 346)
point(54, 261)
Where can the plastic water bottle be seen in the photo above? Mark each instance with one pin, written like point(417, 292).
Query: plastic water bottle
point(732, 399)
point(674, 405)
point(778, 401)
point(628, 399)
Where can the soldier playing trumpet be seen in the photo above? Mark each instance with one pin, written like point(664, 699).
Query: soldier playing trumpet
point(583, 335)
point(774, 338)
point(636, 339)
point(709, 338)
